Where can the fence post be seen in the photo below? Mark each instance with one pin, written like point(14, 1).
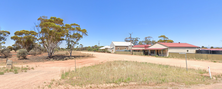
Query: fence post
point(209, 71)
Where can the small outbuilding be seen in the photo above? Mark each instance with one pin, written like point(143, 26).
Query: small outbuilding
point(120, 46)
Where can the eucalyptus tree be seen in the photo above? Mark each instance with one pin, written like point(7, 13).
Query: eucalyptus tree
point(25, 39)
point(73, 35)
point(50, 33)
point(163, 38)
point(3, 35)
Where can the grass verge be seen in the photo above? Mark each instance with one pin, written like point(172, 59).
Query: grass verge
point(139, 72)
point(15, 70)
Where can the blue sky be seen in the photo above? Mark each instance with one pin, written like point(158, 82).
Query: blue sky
point(198, 22)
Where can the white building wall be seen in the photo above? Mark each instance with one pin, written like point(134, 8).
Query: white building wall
point(157, 45)
point(180, 50)
point(137, 48)
point(177, 50)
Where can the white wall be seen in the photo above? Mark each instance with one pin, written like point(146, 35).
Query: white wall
point(178, 50)
point(137, 48)
point(190, 50)
point(157, 45)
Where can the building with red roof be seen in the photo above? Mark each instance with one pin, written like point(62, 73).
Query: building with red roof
point(140, 47)
point(163, 49)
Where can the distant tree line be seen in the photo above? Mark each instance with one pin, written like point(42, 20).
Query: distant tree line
point(148, 40)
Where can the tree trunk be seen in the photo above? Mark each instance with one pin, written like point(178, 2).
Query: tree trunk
point(71, 52)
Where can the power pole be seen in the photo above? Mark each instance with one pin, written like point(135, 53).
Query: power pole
point(98, 43)
point(131, 41)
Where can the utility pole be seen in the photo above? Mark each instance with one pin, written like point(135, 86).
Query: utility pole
point(98, 43)
point(131, 41)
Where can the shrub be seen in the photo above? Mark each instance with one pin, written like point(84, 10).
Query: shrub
point(6, 53)
point(1, 73)
point(35, 52)
point(38, 51)
point(67, 53)
point(32, 52)
point(22, 53)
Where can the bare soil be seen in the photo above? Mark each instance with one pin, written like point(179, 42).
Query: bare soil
point(48, 70)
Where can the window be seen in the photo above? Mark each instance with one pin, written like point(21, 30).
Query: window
point(187, 50)
point(118, 48)
point(125, 47)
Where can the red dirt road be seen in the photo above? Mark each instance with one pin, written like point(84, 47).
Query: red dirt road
point(47, 71)
point(44, 72)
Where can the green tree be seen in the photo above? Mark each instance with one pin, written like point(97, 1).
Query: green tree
point(50, 32)
point(211, 47)
point(10, 48)
point(3, 35)
point(25, 39)
point(134, 41)
point(73, 35)
point(15, 47)
point(140, 43)
point(163, 38)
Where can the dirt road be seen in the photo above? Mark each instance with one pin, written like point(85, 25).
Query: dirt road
point(45, 72)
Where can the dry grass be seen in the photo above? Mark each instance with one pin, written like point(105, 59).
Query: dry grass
point(15, 70)
point(141, 73)
point(204, 57)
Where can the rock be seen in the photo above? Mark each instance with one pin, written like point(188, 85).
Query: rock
point(66, 58)
point(9, 63)
point(51, 59)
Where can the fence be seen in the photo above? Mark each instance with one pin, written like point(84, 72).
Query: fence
point(122, 52)
point(134, 53)
point(138, 53)
point(197, 56)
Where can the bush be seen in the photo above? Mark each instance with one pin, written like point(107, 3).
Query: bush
point(22, 53)
point(35, 52)
point(67, 53)
point(32, 52)
point(6, 53)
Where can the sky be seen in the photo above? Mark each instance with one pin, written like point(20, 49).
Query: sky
point(197, 22)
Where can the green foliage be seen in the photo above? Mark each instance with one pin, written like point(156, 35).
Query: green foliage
point(163, 38)
point(25, 39)
point(6, 53)
point(1, 73)
point(90, 49)
point(52, 31)
point(3, 35)
point(15, 47)
point(147, 41)
point(22, 53)
point(10, 47)
point(73, 35)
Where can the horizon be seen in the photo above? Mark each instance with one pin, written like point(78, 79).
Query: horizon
point(196, 22)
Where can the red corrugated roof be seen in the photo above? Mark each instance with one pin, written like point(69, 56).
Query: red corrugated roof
point(178, 45)
point(142, 46)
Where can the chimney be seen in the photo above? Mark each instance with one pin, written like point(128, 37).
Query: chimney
point(179, 42)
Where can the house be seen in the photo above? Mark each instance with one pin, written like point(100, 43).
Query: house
point(141, 48)
point(120, 46)
point(163, 49)
point(105, 48)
